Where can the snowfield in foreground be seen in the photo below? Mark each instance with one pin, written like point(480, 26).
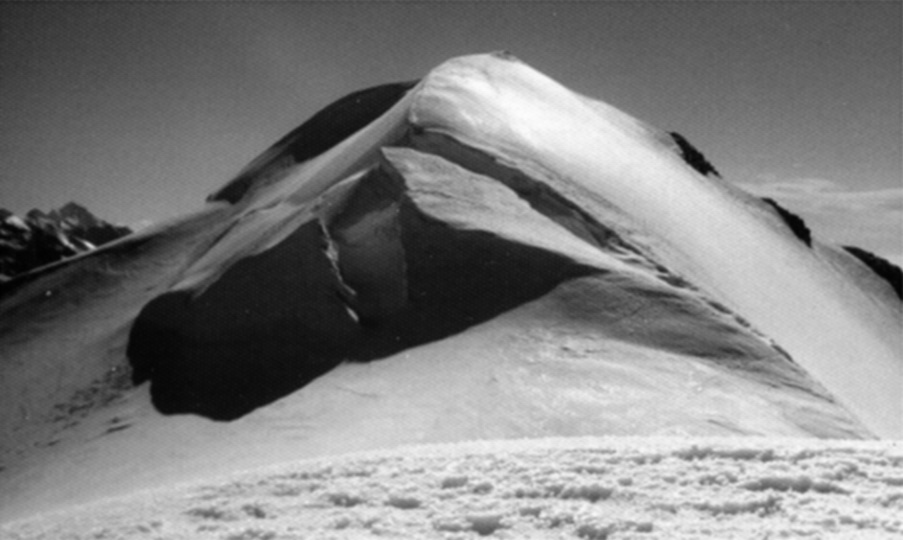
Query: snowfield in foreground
point(592, 488)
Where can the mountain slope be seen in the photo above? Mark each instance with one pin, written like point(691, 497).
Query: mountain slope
point(485, 254)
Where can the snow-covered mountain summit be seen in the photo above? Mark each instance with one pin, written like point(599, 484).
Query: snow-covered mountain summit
point(43, 238)
point(479, 254)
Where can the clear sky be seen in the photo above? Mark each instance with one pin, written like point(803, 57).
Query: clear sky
point(139, 110)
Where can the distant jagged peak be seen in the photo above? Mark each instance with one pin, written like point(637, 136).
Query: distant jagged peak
point(42, 238)
point(72, 213)
point(73, 207)
point(77, 213)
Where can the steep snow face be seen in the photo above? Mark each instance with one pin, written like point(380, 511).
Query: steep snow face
point(714, 235)
point(324, 130)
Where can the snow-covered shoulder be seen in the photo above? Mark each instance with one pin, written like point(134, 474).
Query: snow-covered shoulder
point(728, 243)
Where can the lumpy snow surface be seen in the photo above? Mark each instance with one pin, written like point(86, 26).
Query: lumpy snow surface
point(650, 488)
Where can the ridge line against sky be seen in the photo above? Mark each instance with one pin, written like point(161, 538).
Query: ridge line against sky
point(139, 110)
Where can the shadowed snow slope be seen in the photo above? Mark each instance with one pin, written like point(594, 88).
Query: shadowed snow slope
point(483, 254)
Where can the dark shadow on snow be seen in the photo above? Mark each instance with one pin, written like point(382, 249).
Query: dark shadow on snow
point(887, 270)
point(276, 321)
point(793, 221)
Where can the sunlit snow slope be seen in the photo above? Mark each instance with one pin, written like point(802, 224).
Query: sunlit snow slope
point(480, 254)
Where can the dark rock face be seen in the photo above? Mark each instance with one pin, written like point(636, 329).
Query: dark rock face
point(44, 238)
point(887, 270)
point(793, 221)
point(322, 131)
point(692, 156)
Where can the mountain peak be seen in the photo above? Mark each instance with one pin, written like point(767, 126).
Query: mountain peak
point(480, 254)
point(76, 212)
point(43, 238)
point(635, 200)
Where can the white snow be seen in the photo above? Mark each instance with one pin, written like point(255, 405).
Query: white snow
point(645, 357)
point(706, 230)
point(612, 487)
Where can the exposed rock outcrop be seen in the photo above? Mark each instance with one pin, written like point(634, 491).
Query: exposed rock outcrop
point(793, 221)
point(692, 156)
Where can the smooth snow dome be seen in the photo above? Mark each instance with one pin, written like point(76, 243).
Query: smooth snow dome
point(482, 255)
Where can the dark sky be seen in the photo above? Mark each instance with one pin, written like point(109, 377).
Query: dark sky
point(139, 110)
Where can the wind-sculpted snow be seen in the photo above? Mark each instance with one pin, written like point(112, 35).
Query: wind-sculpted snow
point(793, 221)
point(392, 277)
point(564, 489)
point(321, 132)
point(483, 255)
point(414, 250)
